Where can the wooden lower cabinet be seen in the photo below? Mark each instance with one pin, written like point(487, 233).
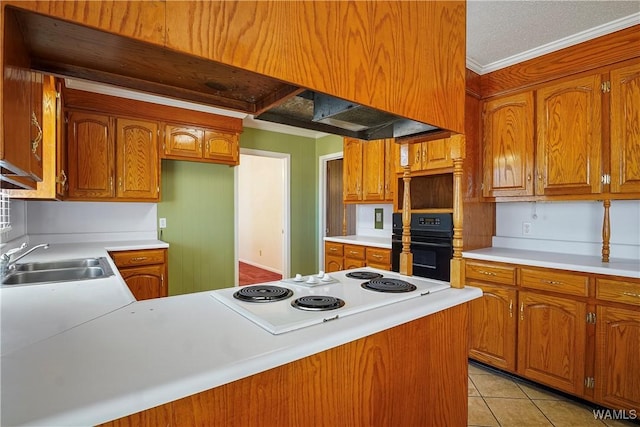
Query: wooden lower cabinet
point(551, 341)
point(492, 326)
point(145, 272)
point(617, 380)
point(414, 374)
point(339, 256)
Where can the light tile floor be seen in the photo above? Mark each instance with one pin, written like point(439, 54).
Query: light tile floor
point(500, 400)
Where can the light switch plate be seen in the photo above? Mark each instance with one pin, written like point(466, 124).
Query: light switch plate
point(377, 220)
point(163, 223)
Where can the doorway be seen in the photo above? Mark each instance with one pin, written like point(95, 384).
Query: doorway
point(262, 216)
point(334, 214)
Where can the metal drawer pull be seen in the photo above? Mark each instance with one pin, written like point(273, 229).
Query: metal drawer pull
point(376, 256)
point(510, 308)
point(487, 273)
point(631, 294)
point(139, 258)
point(333, 249)
point(551, 282)
point(353, 252)
point(521, 311)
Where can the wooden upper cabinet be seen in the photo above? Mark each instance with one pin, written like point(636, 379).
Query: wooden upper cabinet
point(183, 141)
point(202, 145)
point(221, 147)
point(569, 140)
point(373, 168)
point(430, 155)
point(90, 156)
point(352, 169)
point(552, 341)
point(625, 129)
point(391, 159)
point(508, 146)
point(137, 160)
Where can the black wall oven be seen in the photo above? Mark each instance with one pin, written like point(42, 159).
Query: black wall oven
point(431, 244)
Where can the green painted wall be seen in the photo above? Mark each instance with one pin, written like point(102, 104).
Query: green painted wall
point(197, 200)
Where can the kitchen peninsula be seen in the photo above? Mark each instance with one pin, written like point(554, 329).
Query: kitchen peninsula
point(191, 359)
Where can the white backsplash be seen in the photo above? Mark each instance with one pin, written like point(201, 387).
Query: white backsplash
point(569, 227)
point(365, 220)
point(70, 222)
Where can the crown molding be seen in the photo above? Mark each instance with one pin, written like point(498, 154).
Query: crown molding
point(583, 36)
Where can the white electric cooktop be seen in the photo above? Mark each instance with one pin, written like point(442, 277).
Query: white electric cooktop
point(281, 316)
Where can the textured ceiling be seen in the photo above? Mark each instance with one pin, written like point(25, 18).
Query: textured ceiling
point(502, 33)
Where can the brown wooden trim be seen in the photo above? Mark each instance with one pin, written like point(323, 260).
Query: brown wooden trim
point(473, 85)
point(609, 49)
point(76, 99)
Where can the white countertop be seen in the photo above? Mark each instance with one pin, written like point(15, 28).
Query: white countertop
point(150, 352)
point(30, 313)
point(588, 264)
point(378, 242)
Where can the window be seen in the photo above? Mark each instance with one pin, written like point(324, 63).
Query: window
point(5, 203)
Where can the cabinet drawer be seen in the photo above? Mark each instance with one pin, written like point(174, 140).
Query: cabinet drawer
point(493, 273)
point(378, 256)
point(141, 257)
point(333, 249)
point(548, 280)
point(618, 291)
point(354, 252)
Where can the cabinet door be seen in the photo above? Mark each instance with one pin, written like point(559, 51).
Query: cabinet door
point(90, 156)
point(145, 282)
point(436, 154)
point(508, 146)
point(390, 164)
point(617, 379)
point(415, 157)
point(221, 147)
point(352, 170)
point(137, 159)
point(551, 341)
point(569, 140)
point(373, 170)
point(37, 124)
point(333, 263)
point(350, 263)
point(492, 326)
point(625, 130)
point(183, 142)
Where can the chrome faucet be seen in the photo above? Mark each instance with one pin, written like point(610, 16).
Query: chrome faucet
point(7, 264)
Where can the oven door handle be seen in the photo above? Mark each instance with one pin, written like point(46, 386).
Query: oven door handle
point(432, 245)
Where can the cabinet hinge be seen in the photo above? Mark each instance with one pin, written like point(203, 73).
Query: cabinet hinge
point(591, 318)
point(606, 87)
point(589, 382)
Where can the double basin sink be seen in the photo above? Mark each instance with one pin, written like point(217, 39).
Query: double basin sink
point(58, 271)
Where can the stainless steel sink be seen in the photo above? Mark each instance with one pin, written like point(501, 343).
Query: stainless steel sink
point(58, 271)
point(55, 265)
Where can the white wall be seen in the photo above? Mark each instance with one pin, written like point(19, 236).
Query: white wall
point(574, 227)
point(365, 220)
point(260, 216)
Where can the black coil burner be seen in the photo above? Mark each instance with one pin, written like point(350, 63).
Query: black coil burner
point(388, 285)
point(262, 293)
point(363, 275)
point(317, 303)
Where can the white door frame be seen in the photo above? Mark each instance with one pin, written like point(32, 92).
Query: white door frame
point(286, 209)
point(322, 201)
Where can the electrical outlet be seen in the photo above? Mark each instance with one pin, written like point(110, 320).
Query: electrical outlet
point(163, 222)
point(526, 228)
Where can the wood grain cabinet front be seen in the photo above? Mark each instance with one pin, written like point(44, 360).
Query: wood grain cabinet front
point(340, 256)
point(493, 318)
point(552, 341)
point(430, 155)
point(144, 271)
point(201, 145)
point(368, 172)
point(112, 158)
